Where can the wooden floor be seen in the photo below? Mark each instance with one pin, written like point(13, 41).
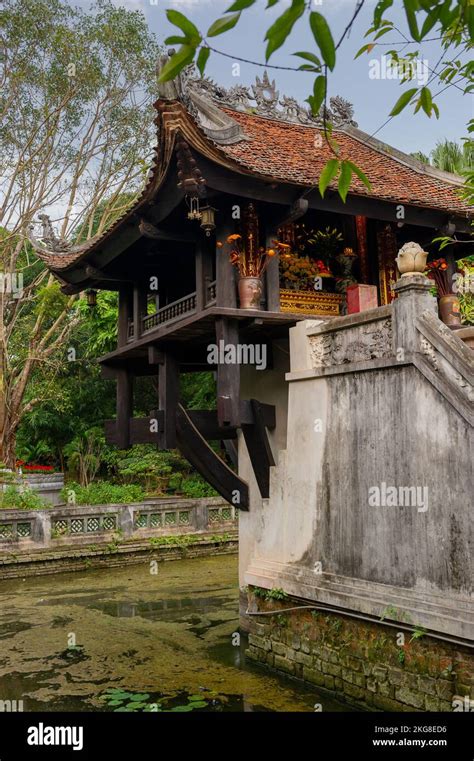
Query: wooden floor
point(187, 337)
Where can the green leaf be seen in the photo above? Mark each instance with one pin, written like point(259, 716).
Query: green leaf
point(177, 63)
point(181, 709)
point(271, 3)
point(309, 57)
point(239, 5)
point(410, 7)
point(179, 20)
point(426, 100)
point(429, 22)
point(370, 46)
point(360, 174)
point(282, 27)
point(403, 101)
point(382, 32)
point(322, 35)
point(198, 704)
point(379, 10)
point(223, 25)
point(319, 91)
point(174, 40)
point(328, 173)
point(344, 179)
point(141, 696)
point(202, 59)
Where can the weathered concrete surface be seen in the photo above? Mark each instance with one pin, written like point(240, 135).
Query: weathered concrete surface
point(372, 404)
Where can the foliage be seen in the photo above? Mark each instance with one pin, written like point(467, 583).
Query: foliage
point(270, 594)
point(297, 272)
point(194, 487)
point(21, 499)
point(77, 133)
point(103, 493)
point(451, 22)
point(84, 454)
point(123, 701)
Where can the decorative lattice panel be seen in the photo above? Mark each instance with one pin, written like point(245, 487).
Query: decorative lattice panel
point(170, 519)
point(92, 524)
point(109, 522)
point(155, 520)
point(60, 526)
point(184, 518)
point(23, 530)
point(214, 516)
point(77, 526)
point(226, 513)
point(141, 521)
point(6, 530)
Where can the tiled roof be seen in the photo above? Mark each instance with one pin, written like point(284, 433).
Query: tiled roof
point(292, 153)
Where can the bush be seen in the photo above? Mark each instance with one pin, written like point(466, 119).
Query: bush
point(26, 499)
point(195, 486)
point(103, 493)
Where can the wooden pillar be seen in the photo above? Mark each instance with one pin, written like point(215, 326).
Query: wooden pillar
point(272, 275)
point(226, 288)
point(228, 375)
point(125, 313)
point(203, 269)
point(168, 395)
point(139, 308)
point(124, 407)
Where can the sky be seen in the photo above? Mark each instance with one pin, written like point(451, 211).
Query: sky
point(372, 98)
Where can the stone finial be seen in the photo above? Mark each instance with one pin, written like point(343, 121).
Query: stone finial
point(411, 259)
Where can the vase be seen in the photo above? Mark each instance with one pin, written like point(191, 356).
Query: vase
point(250, 292)
point(449, 310)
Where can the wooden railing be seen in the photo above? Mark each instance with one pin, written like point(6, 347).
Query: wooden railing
point(173, 311)
point(211, 293)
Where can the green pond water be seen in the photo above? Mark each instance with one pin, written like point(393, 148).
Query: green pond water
point(125, 639)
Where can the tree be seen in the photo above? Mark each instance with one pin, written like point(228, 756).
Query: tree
point(450, 21)
point(77, 132)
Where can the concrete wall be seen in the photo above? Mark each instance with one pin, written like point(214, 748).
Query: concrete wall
point(383, 397)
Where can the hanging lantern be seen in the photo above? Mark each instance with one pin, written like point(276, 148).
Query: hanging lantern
point(91, 296)
point(208, 219)
point(194, 212)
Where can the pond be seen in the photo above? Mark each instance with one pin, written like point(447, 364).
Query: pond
point(126, 639)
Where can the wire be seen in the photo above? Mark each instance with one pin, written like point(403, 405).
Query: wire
point(350, 614)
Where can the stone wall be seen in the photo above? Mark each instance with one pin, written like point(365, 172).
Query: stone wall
point(70, 538)
point(363, 662)
point(371, 495)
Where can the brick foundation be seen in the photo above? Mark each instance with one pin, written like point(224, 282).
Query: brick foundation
point(363, 663)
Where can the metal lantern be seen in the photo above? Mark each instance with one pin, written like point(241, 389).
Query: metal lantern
point(91, 296)
point(194, 212)
point(208, 222)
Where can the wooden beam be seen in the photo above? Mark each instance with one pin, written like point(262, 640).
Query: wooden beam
point(155, 356)
point(203, 270)
point(124, 407)
point(139, 308)
point(228, 376)
point(204, 459)
point(208, 426)
point(125, 314)
point(226, 288)
point(168, 395)
point(259, 449)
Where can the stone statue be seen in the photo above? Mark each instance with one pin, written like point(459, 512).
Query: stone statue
point(411, 259)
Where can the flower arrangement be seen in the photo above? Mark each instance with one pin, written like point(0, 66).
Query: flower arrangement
point(437, 270)
point(250, 259)
point(299, 272)
point(465, 288)
point(32, 468)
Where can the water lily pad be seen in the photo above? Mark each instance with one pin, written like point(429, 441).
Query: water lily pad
point(198, 704)
point(181, 709)
point(141, 696)
point(195, 697)
point(115, 702)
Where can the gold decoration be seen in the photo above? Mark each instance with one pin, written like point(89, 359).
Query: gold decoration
point(309, 302)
